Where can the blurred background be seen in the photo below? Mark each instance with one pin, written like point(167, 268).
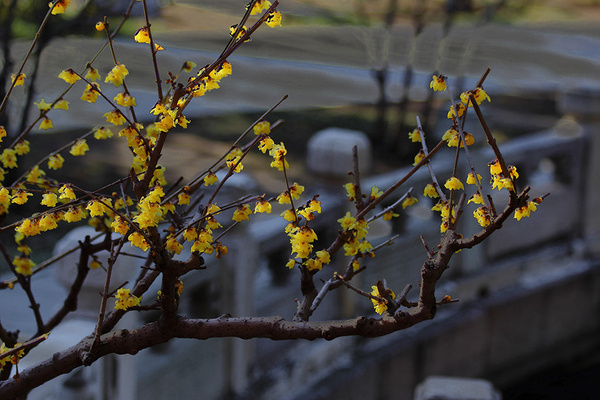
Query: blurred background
point(527, 320)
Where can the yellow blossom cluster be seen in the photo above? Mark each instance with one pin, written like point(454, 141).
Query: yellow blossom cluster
point(301, 239)
point(14, 359)
point(150, 210)
point(380, 306)
point(452, 138)
point(199, 88)
point(527, 209)
point(234, 160)
point(478, 93)
point(443, 207)
point(356, 230)
point(499, 181)
point(126, 300)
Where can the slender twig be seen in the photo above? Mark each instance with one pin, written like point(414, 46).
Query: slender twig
point(436, 184)
point(358, 196)
point(340, 278)
point(153, 53)
point(33, 43)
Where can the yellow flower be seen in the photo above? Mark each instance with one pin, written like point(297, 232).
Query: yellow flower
point(203, 242)
point(62, 104)
point(262, 206)
point(461, 110)
point(430, 191)
point(274, 19)
point(482, 216)
point(502, 183)
point(210, 179)
point(313, 264)
point(66, 193)
point(259, 6)
point(183, 121)
point(471, 179)
point(288, 215)
point(495, 167)
point(119, 225)
point(116, 75)
point(125, 99)
point(420, 155)
point(23, 265)
point(347, 221)
point(28, 228)
point(2, 133)
point(301, 240)
point(479, 94)
point(126, 300)
point(173, 245)
point(526, 210)
point(137, 239)
point(92, 74)
point(102, 133)
point(350, 191)
point(454, 184)
point(235, 164)
point(278, 152)
point(438, 83)
point(266, 144)
point(166, 122)
point(284, 198)
point(98, 207)
point(90, 94)
point(188, 66)
point(43, 106)
point(74, 214)
point(476, 199)
point(36, 175)
point(183, 198)
point(20, 79)
point(142, 36)
point(4, 196)
point(381, 306)
point(388, 215)
point(242, 32)
point(221, 71)
point(455, 139)
point(444, 226)
point(314, 206)
point(20, 197)
point(79, 148)
point(375, 193)
point(262, 128)
point(9, 158)
point(55, 161)
point(59, 7)
point(100, 26)
point(49, 199)
point(414, 136)
point(409, 201)
point(22, 147)
point(69, 76)
point(115, 117)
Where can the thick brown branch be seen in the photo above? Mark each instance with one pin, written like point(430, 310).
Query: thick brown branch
point(152, 334)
